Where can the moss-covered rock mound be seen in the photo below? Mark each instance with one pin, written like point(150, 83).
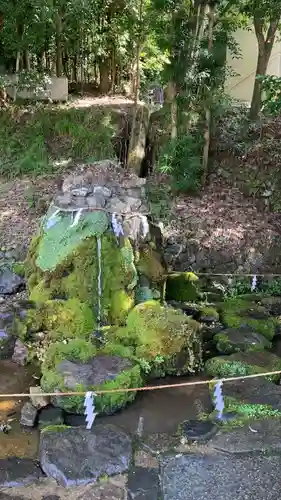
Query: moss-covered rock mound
point(243, 339)
point(239, 312)
point(163, 339)
point(244, 363)
point(79, 366)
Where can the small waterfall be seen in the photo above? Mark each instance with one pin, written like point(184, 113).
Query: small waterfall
point(99, 281)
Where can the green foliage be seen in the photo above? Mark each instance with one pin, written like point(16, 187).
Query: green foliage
point(181, 158)
point(38, 139)
point(271, 94)
point(271, 287)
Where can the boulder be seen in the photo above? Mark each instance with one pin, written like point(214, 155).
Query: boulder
point(240, 339)
point(62, 372)
point(237, 312)
point(164, 340)
point(182, 287)
point(78, 456)
point(10, 282)
point(28, 415)
point(244, 363)
point(20, 353)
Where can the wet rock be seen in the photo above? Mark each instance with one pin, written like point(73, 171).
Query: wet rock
point(105, 491)
point(143, 484)
point(20, 353)
point(19, 472)
point(240, 339)
point(51, 497)
point(198, 430)
point(50, 416)
point(37, 397)
point(78, 456)
point(10, 282)
point(28, 415)
point(219, 476)
point(7, 343)
point(244, 363)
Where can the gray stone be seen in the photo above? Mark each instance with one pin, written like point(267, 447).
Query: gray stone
point(50, 416)
point(255, 436)
point(28, 415)
point(81, 191)
point(133, 227)
point(37, 396)
point(255, 391)
point(96, 201)
point(115, 205)
point(63, 200)
point(102, 190)
point(133, 203)
point(221, 477)
point(20, 353)
point(143, 484)
point(18, 472)
point(10, 282)
point(100, 369)
point(51, 497)
point(7, 343)
point(243, 338)
point(80, 202)
point(134, 182)
point(79, 456)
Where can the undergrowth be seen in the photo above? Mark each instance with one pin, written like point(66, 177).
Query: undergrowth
point(38, 139)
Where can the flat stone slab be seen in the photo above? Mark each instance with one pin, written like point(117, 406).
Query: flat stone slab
point(221, 477)
point(143, 484)
point(255, 436)
point(77, 456)
point(254, 391)
point(18, 472)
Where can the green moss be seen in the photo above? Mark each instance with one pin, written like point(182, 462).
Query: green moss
point(105, 403)
point(225, 346)
point(182, 287)
point(77, 277)
point(74, 350)
point(68, 319)
point(40, 292)
point(209, 312)
point(245, 413)
point(55, 428)
point(243, 363)
point(149, 264)
point(162, 336)
point(19, 268)
point(237, 312)
point(121, 304)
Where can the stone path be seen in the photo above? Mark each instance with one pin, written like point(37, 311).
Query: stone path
point(239, 463)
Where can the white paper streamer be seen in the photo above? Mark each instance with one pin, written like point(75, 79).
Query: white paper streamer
point(52, 220)
point(145, 226)
point(218, 399)
point(254, 283)
point(89, 405)
point(116, 226)
point(77, 217)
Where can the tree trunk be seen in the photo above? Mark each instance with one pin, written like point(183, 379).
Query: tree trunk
point(265, 45)
point(27, 60)
point(104, 77)
point(263, 59)
point(59, 66)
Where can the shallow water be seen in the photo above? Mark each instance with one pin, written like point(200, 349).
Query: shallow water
point(18, 442)
point(159, 411)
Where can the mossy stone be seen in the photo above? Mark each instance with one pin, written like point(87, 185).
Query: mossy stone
point(71, 369)
point(240, 339)
point(244, 363)
point(238, 312)
point(149, 264)
point(76, 277)
point(182, 287)
point(163, 338)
